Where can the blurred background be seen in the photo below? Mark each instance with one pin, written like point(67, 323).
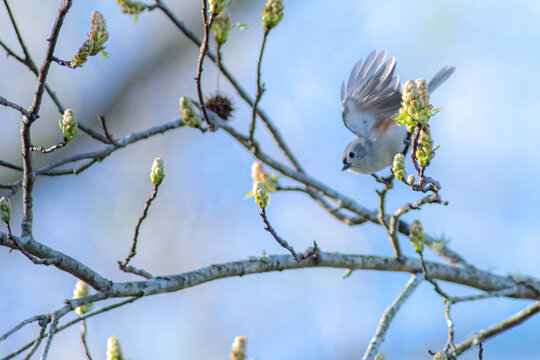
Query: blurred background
point(488, 167)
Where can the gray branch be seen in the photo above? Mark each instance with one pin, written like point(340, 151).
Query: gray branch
point(388, 316)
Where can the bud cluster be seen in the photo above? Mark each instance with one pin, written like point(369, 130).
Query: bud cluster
point(114, 351)
point(157, 174)
point(68, 124)
point(398, 167)
point(272, 14)
point(217, 6)
point(5, 209)
point(238, 351)
point(95, 43)
point(417, 235)
point(189, 115)
point(262, 198)
point(425, 151)
point(132, 7)
point(270, 181)
point(82, 290)
point(221, 26)
point(415, 108)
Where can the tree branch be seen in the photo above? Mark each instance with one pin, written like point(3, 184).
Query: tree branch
point(388, 316)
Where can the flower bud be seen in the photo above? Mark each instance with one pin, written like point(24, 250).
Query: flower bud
point(272, 14)
point(262, 198)
point(69, 125)
point(440, 355)
point(5, 209)
point(189, 115)
point(82, 290)
point(258, 174)
point(114, 351)
point(132, 7)
point(82, 55)
point(423, 93)
point(398, 167)
point(379, 356)
point(157, 174)
point(238, 351)
point(399, 161)
point(417, 235)
point(99, 34)
point(217, 6)
point(411, 179)
point(221, 27)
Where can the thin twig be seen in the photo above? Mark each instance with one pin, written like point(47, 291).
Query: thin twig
point(17, 32)
point(71, 323)
point(388, 316)
point(42, 150)
point(22, 324)
point(381, 216)
point(496, 329)
point(83, 340)
point(132, 269)
point(450, 345)
point(42, 328)
point(236, 85)
point(52, 331)
point(133, 251)
point(109, 137)
point(19, 108)
point(486, 295)
point(204, 49)
point(260, 88)
point(62, 62)
point(28, 177)
point(268, 227)
point(10, 165)
point(433, 282)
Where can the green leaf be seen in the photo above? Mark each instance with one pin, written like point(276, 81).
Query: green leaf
point(241, 26)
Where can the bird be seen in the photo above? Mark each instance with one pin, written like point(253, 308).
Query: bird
point(369, 100)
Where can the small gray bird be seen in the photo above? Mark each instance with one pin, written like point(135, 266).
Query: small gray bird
point(370, 99)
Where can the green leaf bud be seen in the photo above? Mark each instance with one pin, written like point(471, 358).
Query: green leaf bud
point(238, 351)
point(114, 351)
point(82, 290)
point(221, 27)
point(132, 7)
point(99, 34)
point(157, 174)
point(5, 209)
point(69, 126)
point(217, 6)
point(417, 235)
point(82, 55)
point(411, 179)
point(398, 167)
point(262, 198)
point(189, 115)
point(272, 14)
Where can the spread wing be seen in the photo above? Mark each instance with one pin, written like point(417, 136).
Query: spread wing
point(372, 93)
point(440, 77)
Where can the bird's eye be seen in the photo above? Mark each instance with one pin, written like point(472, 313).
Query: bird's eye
point(351, 154)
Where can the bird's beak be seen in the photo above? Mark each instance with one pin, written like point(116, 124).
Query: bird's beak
point(345, 166)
